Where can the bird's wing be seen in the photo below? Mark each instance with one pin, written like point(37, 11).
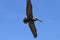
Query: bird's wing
point(29, 9)
point(33, 29)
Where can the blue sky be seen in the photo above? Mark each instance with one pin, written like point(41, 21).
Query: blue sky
point(12, 13)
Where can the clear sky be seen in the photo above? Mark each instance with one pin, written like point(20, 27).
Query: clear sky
point(12, 13)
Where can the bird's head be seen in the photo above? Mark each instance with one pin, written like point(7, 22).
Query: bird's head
point(25, 20)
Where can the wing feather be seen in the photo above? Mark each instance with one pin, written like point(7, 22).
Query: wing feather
point(33, 29)
point(29, 9)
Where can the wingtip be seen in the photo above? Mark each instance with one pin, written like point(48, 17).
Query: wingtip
point(35, 36)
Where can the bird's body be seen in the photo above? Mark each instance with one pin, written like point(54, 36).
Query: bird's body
point(30, 19)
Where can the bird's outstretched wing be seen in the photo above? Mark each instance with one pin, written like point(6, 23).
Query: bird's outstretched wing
point(30, 16)
point(29, 9)
point(33, 29)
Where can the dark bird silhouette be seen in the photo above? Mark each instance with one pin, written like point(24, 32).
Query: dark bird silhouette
point(30, 19)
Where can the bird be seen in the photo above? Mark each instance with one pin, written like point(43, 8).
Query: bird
point(30, 19)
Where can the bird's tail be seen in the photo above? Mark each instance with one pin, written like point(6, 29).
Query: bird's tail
point(40, 20)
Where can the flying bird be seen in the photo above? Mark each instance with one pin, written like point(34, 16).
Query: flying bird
point(30, 19)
